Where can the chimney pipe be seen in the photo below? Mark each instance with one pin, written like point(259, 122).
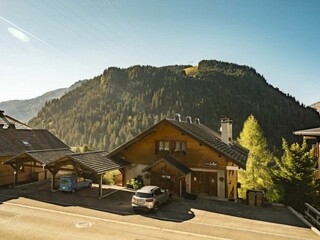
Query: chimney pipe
point(197, 121)
point(177, 117)
point(1, 113)
point(189, 119)
point(226, 130)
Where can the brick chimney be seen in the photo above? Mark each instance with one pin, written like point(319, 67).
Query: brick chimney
point(226, 130)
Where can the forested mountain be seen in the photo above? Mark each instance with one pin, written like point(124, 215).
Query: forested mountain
point(111, 108)
point(26, 109)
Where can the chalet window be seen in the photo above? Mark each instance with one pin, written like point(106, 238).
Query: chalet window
point(180, 146)
point(164, 146)
point(171, 146)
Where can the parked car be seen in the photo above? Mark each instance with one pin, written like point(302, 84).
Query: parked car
point(73, 183)
point(150, 198)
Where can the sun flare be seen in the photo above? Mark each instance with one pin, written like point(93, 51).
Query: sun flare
point(18, 34)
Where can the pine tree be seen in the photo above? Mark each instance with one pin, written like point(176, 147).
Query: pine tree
point(296, 173)
point(258, 173)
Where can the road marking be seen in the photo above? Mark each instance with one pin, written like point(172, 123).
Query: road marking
point(116, 221)
point(108, 194)
point(248, 230)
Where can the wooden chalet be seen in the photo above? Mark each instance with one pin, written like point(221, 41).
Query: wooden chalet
point(186, 157)
point(24, 152)
point(314, 134)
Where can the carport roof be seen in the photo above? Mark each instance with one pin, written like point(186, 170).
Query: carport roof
point(95, 162)
point(44, 157)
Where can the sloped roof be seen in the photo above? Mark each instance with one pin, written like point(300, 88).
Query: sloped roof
point(203, 134)
point(42, 156)
point(173, 162)
point(96, 162)
point(16, 141)
point(315, 132)
point(6, 120)
point(212, 139)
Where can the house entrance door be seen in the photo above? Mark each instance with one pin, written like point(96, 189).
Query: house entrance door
point(204, 182)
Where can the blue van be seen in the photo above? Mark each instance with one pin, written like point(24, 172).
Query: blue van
point(73, 183)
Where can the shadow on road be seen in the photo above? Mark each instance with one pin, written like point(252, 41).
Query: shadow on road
point(118, 201)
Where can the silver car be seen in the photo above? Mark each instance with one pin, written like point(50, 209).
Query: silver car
point(150, 198)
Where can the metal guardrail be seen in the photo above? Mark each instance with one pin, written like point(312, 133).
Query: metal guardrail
point(312, 213)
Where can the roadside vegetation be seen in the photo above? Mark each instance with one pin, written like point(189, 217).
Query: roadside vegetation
point(289, 179)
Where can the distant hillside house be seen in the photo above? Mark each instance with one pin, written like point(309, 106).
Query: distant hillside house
point(316, 106)
point(185, 157)
point(313, 133)
point(17, 139)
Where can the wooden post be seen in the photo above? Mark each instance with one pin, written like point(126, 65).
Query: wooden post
point(123, 173)
point(180, 187)
point(15, 183)
point(16, 168)
point(53, 181)
point(100, 186)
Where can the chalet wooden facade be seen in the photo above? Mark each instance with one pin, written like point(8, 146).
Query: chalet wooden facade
point(31, 147)
point(185, 156)
point(313, 134)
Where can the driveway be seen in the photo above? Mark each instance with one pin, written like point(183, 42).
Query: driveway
point(198, 217)
point(118, 200)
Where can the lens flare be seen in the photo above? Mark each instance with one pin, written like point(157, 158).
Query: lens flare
point(18, 34)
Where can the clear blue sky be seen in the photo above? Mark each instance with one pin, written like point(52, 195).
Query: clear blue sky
point(49, 44)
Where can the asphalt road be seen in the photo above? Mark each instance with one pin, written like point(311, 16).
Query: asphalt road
point(24, 218)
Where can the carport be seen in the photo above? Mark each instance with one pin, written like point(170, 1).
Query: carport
point(93, 163)
point(35, 159)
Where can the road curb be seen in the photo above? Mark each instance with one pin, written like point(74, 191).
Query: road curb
point(298, 215)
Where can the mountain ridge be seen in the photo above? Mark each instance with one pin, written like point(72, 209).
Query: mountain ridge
point(26, 109)
point(113, 107)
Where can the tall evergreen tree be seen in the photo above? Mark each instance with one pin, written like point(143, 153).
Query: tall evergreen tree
point(296, 173)
point(258, 174)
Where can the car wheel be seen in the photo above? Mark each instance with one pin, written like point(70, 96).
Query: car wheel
point(155, 208)
point(73, 190)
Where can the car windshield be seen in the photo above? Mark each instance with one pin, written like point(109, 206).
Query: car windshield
point(143, 195)
point(64, 181)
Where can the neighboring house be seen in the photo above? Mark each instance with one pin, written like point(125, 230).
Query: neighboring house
point(185, 156)
point(17, 139)
point(316, 106)
point(314, 134)
point(9, 122)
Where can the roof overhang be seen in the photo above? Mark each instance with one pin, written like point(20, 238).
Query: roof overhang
point(42, 157)
point(183, 169)
point(311, 133)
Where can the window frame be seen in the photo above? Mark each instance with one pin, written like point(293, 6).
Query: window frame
point(171, 146)
point(180, 146)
